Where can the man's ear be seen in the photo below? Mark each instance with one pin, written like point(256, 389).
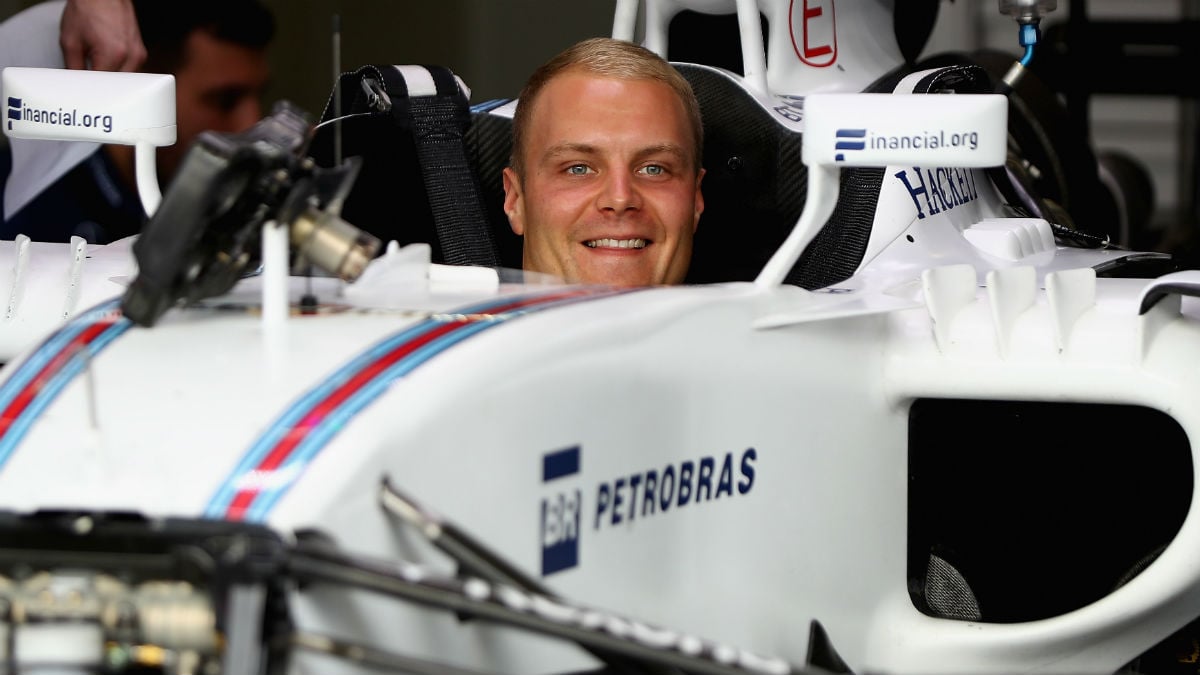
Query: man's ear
point(514, 201)
point(699, 202)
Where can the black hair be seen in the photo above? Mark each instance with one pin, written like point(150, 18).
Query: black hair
point(166, 24)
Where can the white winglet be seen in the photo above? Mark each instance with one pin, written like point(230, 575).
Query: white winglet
point(1011, 290)
point(1070, 294)
point(948, 290)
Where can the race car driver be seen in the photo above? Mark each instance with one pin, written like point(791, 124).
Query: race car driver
point(604, 183)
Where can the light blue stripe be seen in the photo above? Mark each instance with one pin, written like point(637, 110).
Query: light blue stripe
point(307, 449)
point(340, 416)
point(220, 501)
point(488, 106)
point(57, 383)
point(301, 408)
point(48, 350)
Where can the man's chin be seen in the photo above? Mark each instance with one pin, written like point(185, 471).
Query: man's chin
point(611, 276)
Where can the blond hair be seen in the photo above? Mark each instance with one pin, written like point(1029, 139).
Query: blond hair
point(606, 57)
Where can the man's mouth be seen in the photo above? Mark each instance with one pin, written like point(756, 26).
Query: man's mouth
point(616, 243)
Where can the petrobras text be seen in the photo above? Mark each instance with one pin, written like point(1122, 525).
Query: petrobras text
point(18, 109)
point(620, 501)
point(646, 493)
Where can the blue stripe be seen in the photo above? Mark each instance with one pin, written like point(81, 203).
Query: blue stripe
point(560, 463)
point(58, 382)
point(37, 361)
point(341, 416)
point(851, 133)
point(850, 145)
point(50, 348)
point(304, 405)
point(488, 106)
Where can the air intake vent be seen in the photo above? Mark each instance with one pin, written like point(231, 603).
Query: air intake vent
point(1026, 510)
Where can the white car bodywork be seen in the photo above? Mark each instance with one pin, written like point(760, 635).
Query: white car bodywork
point(728, 461)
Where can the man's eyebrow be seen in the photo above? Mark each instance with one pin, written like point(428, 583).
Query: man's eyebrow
point(662, 149)
point(570, 149)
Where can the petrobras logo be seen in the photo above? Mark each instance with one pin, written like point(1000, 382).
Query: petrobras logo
point(20, 110)
point(561, 512)
point(850, 140)
point(814, 32)
point(646, 493)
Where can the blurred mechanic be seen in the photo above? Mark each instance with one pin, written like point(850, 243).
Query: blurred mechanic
point(604, 183)
point(217, 51)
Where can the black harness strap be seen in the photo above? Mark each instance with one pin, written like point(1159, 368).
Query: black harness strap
point(439, 122)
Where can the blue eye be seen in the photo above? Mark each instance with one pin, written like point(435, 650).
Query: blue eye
point(654, 170)
point(577, 169)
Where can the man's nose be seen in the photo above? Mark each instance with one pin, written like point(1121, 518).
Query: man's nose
point(619, 192)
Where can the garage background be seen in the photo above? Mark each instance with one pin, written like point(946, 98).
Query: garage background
point(494, 44)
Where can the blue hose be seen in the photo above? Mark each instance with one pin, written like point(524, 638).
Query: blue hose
point(1029, 36)
point(1028, 56)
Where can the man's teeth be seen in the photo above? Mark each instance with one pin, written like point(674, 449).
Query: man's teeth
point(617, 243)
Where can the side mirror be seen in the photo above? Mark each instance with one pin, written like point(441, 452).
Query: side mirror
point(942, 130)
point(135, 109)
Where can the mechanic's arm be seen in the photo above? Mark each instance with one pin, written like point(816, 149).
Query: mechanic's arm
point(101, 35)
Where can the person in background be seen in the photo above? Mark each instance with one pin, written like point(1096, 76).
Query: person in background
point(604, 182)
point(217, 52)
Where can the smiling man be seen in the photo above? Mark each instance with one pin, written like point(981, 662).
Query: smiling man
point(605, 178)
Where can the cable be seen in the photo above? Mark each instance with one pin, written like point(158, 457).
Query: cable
point(509, 606)
point(473, 557)
point(1029, 36)
point(374, 658)
point(1082, 238)
point(1028, 14)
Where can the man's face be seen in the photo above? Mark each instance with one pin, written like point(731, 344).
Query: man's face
point(218, 88)
point(610, 192)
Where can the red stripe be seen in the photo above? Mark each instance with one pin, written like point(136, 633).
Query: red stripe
point(242, 500)
point(298, 433)
point(18, 405)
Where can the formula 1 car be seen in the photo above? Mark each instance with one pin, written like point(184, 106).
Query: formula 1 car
point(971, 453)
